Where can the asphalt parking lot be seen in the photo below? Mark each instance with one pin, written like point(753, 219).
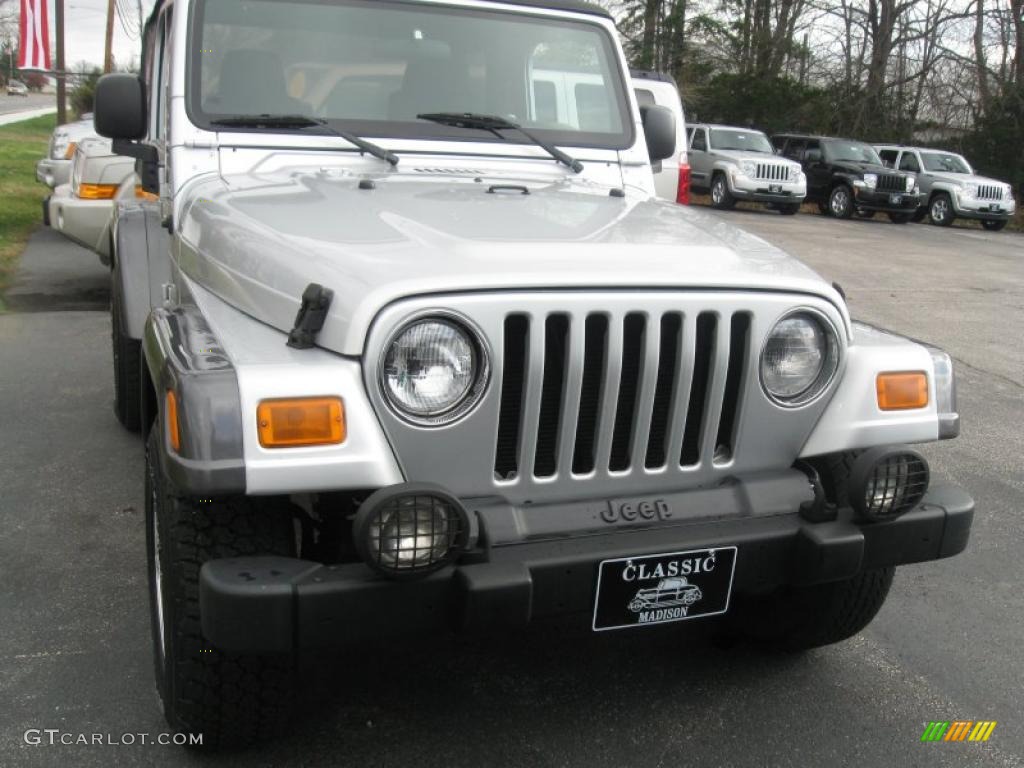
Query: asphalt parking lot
point(74, 634)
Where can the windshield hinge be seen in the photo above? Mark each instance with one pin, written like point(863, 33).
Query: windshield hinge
point(316, 300)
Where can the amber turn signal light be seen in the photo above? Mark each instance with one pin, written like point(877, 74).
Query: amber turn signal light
point(902, 390)
point(141, 194)
point(69, 153)
point(173, 432)
point(292, 422)
point(97, 191)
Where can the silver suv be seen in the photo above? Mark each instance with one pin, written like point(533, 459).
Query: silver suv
point(950, 189)
point(740, 164)
point(417, 348)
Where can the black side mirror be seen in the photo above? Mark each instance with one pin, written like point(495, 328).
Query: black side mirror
point(660, 131)
point(120, 107)
point(119, 113)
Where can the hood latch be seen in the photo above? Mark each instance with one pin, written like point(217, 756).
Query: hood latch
point(316, 300)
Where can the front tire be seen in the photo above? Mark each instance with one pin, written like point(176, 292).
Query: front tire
point(940, 210)
point(231, 699)
point(840, 202)
point(721, 197)
point(801, 618)
point(127, 358)
point(993, 225)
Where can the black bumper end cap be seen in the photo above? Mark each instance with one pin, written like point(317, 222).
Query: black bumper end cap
point(235, 616)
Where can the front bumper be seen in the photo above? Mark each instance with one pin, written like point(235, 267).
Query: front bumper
point(275, 604)
point(759, 191)
point(895, 202)
point(52, 172)
point(87, 222)
point(969, 208)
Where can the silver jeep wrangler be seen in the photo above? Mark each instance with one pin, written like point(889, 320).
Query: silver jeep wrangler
point(415, 349)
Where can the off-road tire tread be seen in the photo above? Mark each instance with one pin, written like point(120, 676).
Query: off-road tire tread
point(232, 699)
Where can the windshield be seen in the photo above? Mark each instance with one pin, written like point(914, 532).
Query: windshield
point(944, 162)
point(374, 66)
point(851, 152)
point(743, 141)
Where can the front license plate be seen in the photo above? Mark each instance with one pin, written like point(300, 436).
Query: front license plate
point(658, 589)
point(895, 199)
point(994, 207)
point(777, 188)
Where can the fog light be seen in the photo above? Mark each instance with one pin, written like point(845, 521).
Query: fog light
point(410, 529)
point(886, 482)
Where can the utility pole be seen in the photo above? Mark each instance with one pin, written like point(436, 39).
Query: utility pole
point(108, 53)
point(61, 74)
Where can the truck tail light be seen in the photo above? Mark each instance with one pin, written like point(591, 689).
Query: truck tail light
point(683, 187)
point(141, 194)
point(902, 390)
point(288, 423)
point(97, 191)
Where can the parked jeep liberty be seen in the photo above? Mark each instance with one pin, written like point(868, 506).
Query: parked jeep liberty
point(950, 189)
point(415, 349)
point(845, 176)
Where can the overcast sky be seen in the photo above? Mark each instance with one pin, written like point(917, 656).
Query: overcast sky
point(84, 28)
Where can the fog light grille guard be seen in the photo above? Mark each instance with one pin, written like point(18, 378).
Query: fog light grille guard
point(410, 530)
point(887, 482)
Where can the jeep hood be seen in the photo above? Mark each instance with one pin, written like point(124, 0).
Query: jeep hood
point(963, 178)
point(757, 157)
point(257, 241)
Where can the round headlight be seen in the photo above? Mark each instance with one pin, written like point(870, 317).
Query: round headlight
point(748, 167)
point(870, 180)
point(799, 358)
point(433, 371)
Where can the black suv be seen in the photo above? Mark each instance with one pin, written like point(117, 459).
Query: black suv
point(845, 176)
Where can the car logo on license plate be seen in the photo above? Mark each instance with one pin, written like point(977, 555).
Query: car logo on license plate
point(658, 589)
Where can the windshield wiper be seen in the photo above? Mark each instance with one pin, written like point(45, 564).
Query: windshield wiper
point(303, 121)
point(495, 125)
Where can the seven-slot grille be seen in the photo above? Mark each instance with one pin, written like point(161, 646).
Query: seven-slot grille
point(889, 182)
point(989, 192)
point(597, 392)
point(772, 172)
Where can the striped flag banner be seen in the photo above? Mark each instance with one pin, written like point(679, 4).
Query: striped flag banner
point(958, 730)
point(34, 40)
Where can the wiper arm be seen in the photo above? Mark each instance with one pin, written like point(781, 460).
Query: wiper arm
point(303, 121)
point(496, 124)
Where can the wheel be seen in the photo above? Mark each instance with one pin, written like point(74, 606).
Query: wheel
point(940, 210)
point(866, 214)
point(899, 218)
point(993, 225)
point(127, 357)
point(840, 202)
point(231, 699)
point(799, 618)
point(919, 215)
point(789, 209)
point(721, 197)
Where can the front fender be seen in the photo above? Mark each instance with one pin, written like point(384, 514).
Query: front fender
point(853, 419)
point(140, 263)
